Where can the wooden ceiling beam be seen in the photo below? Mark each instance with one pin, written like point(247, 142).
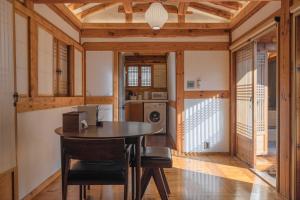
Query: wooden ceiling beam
point(127, 6)
point(182, 10)
point(128, 10)
point(246, 13)
point(114, 33)
point(211, 10)
point(94, 9)
point(74, 6)
point(119, 26)
point(142, 7)
point(140, 1)
point(66, 14)
point(229, 4)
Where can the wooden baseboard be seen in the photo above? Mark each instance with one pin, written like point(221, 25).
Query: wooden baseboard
point(176, 153)
point(42, 186)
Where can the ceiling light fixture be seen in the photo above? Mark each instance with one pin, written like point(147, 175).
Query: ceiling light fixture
point(156, 16)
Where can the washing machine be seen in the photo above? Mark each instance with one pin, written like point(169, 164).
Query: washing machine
point(156, 113)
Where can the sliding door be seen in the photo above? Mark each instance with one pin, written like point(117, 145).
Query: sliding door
point(244, 104)
point(261, 91)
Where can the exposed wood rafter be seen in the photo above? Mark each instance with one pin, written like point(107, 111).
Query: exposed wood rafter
point(128, 10)
point(182, 10)
point(94, 9)
point(107, 33)
point(74, 6)
point(142, 7)
point(211, 10)
point(120, 1)
point(119, 26)
point(229, 4)
point(66, 14)
point(246, 12)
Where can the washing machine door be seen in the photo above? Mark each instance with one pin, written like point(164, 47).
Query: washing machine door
point(154, 117)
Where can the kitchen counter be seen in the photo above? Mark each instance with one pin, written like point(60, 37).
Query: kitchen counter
point(147, 101)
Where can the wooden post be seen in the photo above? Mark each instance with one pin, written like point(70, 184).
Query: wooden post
point(284, 100)
point(33, 65)
point(179, 99)
point(116, 86)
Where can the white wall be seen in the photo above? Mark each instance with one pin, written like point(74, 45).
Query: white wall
point(55, 19)
point(171, 64)
point(211, 67)
point(206, 120)
point(99, 77)
point(21, 26)
point(38, 147)
point(45, 62)
point(99, 73)
point(255, 19)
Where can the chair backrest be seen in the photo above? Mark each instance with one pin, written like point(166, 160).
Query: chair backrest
point(94, 149)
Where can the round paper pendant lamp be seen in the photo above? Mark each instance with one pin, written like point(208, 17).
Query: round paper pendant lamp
point(156, 16)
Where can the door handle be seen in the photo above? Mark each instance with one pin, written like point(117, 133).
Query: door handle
point(16, 98)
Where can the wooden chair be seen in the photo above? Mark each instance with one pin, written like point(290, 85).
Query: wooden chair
point(153, 162)
point(97, 162)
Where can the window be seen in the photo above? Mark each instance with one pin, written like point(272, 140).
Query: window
point(139, 76)
point(146, 76)
point(133, 76)
point(61, 69)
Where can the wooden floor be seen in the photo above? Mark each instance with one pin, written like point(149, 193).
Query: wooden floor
point(207, 177)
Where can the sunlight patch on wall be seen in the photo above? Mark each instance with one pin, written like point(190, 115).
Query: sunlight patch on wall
point(206, 121)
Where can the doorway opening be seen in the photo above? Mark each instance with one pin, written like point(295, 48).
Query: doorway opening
point(266, 109)
point(256, 66)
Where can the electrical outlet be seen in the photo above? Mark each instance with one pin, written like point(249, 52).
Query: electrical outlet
point(206, 145)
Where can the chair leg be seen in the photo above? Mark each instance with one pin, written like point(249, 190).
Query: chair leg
point(132, 183)
point(64, 191)
point(125, 191)
point(80, 192)
point(160, 184)
point(148, 172)
point(165, 180)
point(84, 191)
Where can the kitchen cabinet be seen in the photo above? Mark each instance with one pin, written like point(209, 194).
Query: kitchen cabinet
point(134, 112)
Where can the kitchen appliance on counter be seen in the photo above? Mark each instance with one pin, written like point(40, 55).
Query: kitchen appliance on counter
point(156, 113)
point(159, 95)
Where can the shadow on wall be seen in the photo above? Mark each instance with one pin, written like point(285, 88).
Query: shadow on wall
point(206, 120)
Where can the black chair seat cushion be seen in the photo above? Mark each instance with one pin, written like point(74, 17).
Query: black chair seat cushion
point(155, 157)
point(102, 172)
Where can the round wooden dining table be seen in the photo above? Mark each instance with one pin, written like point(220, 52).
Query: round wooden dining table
point(132, 132)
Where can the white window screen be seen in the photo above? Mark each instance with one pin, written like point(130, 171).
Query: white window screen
point(133, 76)
point(146, 76)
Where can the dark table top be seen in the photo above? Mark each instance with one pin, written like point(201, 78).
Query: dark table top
point(114, 130)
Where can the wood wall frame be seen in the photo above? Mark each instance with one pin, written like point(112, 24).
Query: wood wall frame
point(34, 101)
point(285, 70)
point(154, 46)
point(179, 99)
point(221, 94)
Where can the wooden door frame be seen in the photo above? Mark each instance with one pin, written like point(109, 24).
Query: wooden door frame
point(295, 131)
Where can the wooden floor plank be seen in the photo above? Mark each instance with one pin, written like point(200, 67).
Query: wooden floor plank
point(201, 177)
